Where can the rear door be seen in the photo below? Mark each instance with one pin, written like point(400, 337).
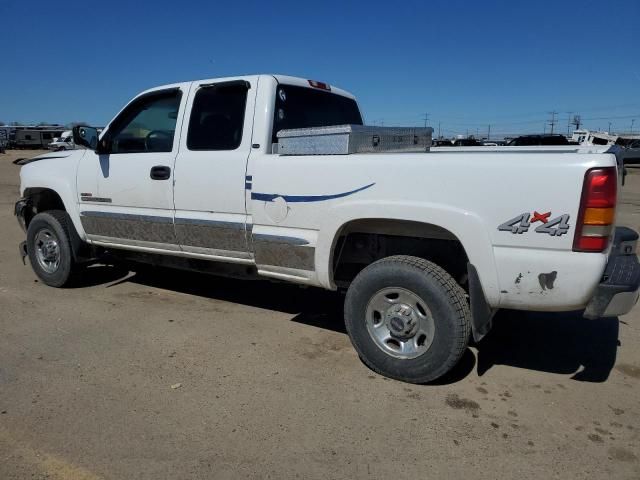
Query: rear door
point(210, 216)
point(126, 196)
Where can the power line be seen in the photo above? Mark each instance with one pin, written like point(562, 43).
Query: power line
point(497, 130)
point(421, 118)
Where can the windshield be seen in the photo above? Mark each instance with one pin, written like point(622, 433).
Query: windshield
point(301, 107)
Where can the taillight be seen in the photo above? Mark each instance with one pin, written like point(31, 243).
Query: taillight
point(320, 85)
point(597, 210)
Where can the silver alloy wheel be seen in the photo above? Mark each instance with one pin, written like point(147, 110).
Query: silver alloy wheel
point(400, 323)
point(47, 250)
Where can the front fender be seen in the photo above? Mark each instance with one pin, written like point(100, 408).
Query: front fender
point(57, 174)
point(465, 225)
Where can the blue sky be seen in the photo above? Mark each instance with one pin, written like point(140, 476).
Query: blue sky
point(468, 64)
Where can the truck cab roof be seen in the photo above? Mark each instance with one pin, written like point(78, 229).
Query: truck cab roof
point(284, 79)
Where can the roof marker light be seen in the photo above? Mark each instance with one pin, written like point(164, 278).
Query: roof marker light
point(320, 85)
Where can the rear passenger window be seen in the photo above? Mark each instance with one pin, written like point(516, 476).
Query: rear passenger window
point(217, 117)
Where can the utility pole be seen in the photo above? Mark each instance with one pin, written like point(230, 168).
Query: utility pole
point(439, 130)
point(553, 121)
point(426, 119)
point(577, 121)
point(569, 123)
point(489, 132)
point(633, 120)
point(609, 131)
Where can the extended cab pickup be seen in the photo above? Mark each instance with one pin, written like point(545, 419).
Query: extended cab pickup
point(427, 245)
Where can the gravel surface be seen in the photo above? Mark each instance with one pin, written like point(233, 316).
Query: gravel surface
point(169, 375)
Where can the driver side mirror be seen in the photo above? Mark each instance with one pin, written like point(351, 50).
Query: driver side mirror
point(86, 136)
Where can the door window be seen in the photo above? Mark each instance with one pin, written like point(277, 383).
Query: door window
point(217, 117)
point(147, 125)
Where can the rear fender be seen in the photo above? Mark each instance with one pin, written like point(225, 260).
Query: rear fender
point(466, 226)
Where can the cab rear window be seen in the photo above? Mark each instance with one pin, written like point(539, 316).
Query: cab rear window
point(301, 107)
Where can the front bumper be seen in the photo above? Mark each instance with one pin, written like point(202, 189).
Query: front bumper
point(19, 211)
point(618, 291)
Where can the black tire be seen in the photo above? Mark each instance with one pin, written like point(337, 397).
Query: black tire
point(444, 299)
point(58, 224)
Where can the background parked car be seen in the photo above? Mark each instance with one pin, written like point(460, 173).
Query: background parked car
point(466, 142)
point(632, 153)
point(532, 140)
point(65, 142)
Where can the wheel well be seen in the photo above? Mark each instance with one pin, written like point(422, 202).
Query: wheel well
point(362, 242)
point(41, 200)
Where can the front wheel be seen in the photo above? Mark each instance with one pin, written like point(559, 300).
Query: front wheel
point(49, 248)
point(407, 318)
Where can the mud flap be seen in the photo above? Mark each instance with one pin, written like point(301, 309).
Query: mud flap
point(481, 312)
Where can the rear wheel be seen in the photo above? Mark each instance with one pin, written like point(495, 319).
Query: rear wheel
point(407, 318)
point(49, 248)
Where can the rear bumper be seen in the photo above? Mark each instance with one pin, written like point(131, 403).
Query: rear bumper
point(618, 291)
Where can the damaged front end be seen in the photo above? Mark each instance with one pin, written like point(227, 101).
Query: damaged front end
point(20, 210)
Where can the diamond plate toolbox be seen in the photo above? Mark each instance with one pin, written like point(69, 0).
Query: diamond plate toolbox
point(345, 139)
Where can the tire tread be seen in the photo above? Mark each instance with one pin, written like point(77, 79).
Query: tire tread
point(62, 218)
point(457, 298)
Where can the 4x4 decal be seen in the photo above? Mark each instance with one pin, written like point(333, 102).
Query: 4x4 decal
point(555, 227)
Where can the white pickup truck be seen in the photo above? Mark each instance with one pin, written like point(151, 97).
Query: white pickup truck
point(427, 245)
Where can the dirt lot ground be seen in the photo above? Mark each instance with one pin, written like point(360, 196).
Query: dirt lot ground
point(270, 386)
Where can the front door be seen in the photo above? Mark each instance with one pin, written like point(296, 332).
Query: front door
point(210, 183)
point(126, 195)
